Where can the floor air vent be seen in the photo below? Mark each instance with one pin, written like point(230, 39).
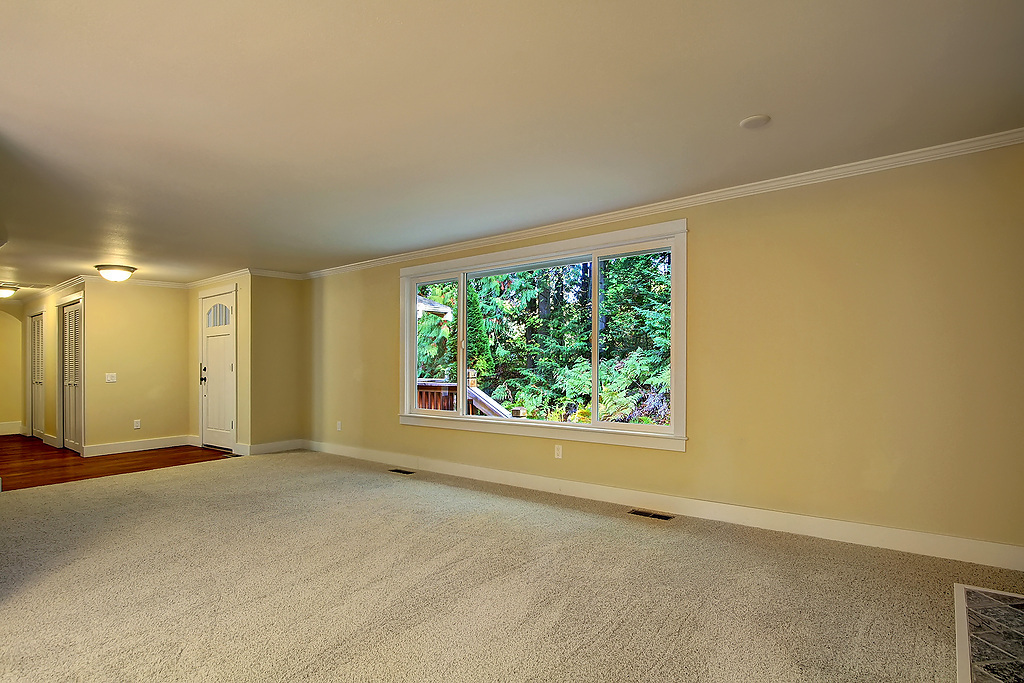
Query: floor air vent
point(652, 515)
point(400, 471)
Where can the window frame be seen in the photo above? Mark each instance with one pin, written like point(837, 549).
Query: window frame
point(669, 235)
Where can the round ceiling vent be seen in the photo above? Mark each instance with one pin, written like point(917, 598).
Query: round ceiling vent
point(757, 121)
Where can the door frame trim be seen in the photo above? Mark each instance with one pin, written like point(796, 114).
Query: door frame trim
point(29, 362)
point(226, 288)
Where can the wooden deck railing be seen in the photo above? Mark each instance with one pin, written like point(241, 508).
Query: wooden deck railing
point(436, 394)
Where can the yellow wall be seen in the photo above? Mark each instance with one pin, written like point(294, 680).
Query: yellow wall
point(243, 322)
point(855, 351)
point(12, 362)
point(354, 365)
point(280, 359)
point(138, 332)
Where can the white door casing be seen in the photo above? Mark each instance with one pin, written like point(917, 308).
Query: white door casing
point(217, 370)
point(71, 375)
point(37, 377)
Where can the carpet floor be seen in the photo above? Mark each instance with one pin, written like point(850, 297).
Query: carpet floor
point(312, 567)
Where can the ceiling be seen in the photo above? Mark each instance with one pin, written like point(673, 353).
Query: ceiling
point(202, 136)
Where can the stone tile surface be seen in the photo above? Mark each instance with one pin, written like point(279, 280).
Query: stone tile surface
point(982, 650)
point(1006, 615)
point(980, 676)
point(996, 627)
point(1005, 672)
point(1010, 642)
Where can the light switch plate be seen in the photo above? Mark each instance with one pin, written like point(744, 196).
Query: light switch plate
point(111, 377)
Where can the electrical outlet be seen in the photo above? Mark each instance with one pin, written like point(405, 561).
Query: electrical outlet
point(339, 425)
point(138, 424)
point(558, 451)
point(111, 377)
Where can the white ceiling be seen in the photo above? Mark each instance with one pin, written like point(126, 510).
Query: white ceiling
point(196, 137)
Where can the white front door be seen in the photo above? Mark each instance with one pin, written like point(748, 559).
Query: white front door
point(71, 364)
point(217, 373)
point(37, 419)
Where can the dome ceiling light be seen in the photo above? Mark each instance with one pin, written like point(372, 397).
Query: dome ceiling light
point(115, 273)
point(7, 290)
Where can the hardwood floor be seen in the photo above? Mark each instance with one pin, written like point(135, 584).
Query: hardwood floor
point(27, 462)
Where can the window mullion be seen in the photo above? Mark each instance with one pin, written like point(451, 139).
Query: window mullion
point(409, 338)
point(462, 375)
point(595, 355)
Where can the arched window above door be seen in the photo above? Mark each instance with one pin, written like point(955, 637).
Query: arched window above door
point(218, 315)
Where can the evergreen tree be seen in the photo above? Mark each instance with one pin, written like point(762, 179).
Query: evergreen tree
point(478, 345)
point(437, 337)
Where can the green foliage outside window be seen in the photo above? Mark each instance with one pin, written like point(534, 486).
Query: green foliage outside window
point(529, 339)
point(537, 324)
point(636, 338)
point(437, 339)
point(478, 345)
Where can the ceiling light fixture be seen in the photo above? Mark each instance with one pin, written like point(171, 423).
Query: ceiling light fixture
point(7, 290)
point(115, 273)
point(757, 121)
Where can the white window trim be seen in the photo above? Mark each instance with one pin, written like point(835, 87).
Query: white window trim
point(670, 233)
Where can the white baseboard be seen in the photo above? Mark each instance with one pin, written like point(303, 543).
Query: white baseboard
point(10, 428)
point(919, 542)
point(51, 440)
point(194, 440)
point(140, 445)
point(278, 446)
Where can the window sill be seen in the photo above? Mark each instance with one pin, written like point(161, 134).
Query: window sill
point(549, 430)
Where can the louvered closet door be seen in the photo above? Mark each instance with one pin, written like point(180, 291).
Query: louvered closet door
point(38, 419)
point(72, 376)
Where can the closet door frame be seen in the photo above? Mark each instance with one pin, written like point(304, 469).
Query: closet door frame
point(70, 300)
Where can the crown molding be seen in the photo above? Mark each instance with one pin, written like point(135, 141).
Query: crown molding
point(258, 272)
point(139, 283)
point(233, 275)
point(918, 156)
point(80, 279)
point(157, 283)
point(76, 280)
point(279, 274)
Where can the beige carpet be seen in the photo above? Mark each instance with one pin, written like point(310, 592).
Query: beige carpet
point(306, 566)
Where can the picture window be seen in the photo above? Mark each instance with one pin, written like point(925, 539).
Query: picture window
point(513, 343)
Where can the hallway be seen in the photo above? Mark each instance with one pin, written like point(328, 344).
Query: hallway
point(26, 462)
